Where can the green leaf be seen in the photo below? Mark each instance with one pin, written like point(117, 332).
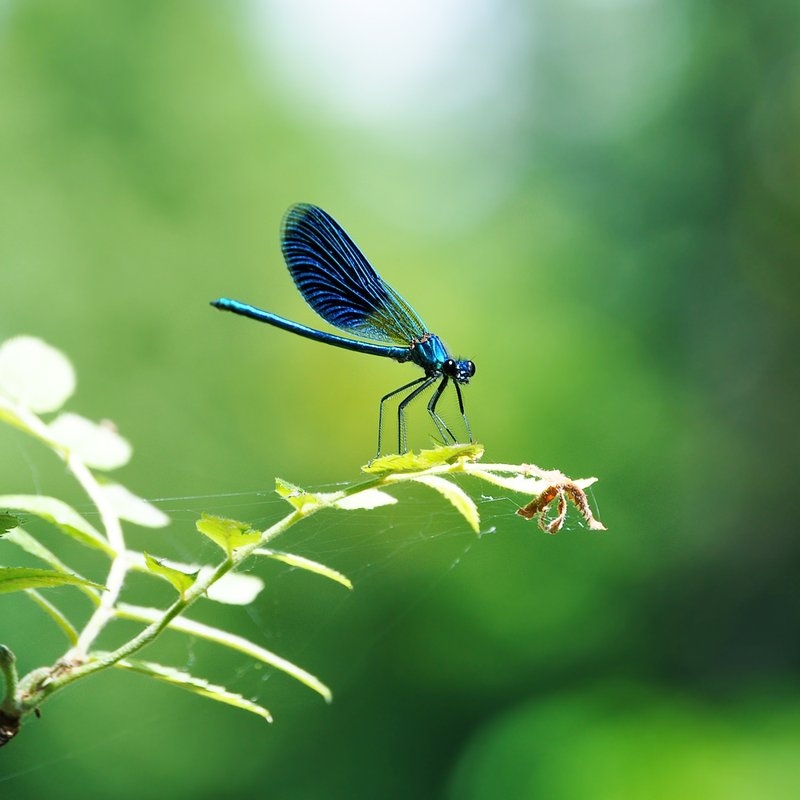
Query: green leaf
point(366, 499)
point(55, 614)
point(127, 505)
point(182, 581)
point(227, 533)
point(294, 495)
point(456, 495)
point(8, 522)
point(26, 542)
point(61, 515)
point(198, 686)
point(233, 588)
point(306, 564)
point(97, 445)
point(34, 374)
point(286, 489)
point(230, 640)
point(524, 484)
point(22, 539)
point(425, 459)
point(15, 579)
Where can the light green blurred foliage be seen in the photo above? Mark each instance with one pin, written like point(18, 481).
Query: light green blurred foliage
point(618, 742)
point(597, 202)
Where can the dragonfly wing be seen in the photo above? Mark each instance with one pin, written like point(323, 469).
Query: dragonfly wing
point(338, 282)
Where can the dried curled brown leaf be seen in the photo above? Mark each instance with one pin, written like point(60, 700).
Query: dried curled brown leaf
point(564, 489)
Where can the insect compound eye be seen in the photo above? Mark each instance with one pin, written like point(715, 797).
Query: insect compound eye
point(449, 368)
point(470, 368)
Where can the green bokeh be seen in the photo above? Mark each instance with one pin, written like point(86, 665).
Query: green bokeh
point(611, 233)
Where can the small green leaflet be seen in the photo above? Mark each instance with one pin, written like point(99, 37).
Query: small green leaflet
point(8, 522)
point(425, 459)
point(232, 588)
point(299, 498)
point(228, 534)
point(182, 581)
point(15, 579)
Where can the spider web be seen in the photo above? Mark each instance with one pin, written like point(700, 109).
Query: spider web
point(396, 556)
point(400, 559)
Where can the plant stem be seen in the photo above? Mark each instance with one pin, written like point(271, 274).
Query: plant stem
point(34, 694)
point(111, 523)
point(119, 566)
point(9, 669)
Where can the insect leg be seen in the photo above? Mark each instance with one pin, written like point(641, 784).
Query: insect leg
point(441, 426)
point(401, 417)
point(461, 409)
point(386, 397)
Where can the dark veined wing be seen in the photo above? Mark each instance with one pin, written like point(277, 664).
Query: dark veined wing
point(337, 281)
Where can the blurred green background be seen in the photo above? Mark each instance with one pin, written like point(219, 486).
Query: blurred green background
point(597, 201)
